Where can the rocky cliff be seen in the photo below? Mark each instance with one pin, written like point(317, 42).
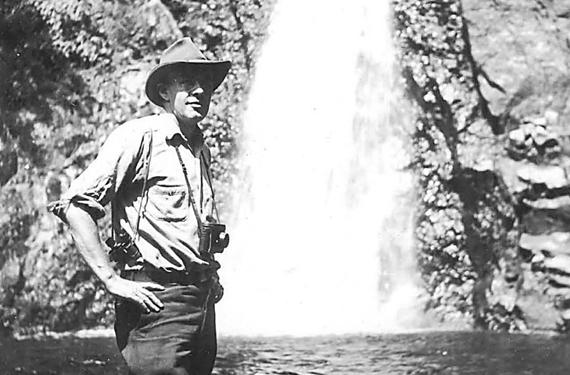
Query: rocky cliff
point(489, 83)
point(70, 71)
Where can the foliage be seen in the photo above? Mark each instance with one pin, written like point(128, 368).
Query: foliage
point(433, 65)
point(71, 71)
point(467, 218)
point(75, 29)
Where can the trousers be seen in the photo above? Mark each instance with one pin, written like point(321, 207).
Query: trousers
point(178, 340)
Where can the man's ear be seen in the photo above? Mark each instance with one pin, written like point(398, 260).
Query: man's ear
point(162, 91)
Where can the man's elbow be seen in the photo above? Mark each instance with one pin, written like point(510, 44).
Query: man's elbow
point(78, 214)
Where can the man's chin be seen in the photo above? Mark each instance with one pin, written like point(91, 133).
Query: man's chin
point(190, 117)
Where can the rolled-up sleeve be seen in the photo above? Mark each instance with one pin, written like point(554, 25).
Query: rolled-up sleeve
point(99, 183)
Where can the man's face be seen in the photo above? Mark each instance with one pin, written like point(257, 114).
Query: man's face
point(188, 96)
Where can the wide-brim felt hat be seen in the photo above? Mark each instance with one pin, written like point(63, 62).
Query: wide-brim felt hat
point(183, 53)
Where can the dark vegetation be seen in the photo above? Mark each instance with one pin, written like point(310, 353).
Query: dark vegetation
point(466, 214)
point(487, 86)
point(488, 100)
point(70, 71)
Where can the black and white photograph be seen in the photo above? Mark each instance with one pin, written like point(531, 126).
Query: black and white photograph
point(284, 187)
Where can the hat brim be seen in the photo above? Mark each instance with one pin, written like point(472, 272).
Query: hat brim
point(219, 71)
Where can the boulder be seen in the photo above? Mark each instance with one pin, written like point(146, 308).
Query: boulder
point(532, 141)
point(553, 243)
point(556, 203)
point(559, 268)
point(553, 177)
point(522, 48)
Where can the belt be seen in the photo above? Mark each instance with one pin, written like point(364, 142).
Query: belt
point(150, 273)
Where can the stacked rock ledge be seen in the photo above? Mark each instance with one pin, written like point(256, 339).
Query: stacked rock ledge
point(543, 206)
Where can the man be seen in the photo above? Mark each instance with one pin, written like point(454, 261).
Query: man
point(155, 172)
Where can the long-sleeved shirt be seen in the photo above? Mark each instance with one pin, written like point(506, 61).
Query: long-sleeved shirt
point(168, 231)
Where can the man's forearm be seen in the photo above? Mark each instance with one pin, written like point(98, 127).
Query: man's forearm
point(86, 235)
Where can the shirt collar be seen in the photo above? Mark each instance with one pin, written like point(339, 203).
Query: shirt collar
point(172, 133)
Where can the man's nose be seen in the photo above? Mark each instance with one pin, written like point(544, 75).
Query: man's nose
point(197, 90)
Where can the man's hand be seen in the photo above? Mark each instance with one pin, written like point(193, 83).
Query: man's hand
point(86, 235)
point(137, 292)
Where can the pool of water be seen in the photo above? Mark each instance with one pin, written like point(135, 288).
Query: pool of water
point(412, 353)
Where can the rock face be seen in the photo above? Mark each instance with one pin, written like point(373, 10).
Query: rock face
point(77, 70)
point(489, 80)
point(523, 49)
point(488, 84)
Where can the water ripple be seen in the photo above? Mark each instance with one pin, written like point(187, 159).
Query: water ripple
point(435, 353)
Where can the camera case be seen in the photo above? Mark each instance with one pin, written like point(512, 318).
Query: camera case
point(213, 238)
point(122, 248)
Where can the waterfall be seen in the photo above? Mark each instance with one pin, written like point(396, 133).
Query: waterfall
point(322, 231)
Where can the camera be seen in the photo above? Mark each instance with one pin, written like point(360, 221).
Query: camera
point(122, 248)
point(213, 238)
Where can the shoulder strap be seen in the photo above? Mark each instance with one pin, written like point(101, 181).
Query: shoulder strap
point(144, 198)
point(190, 192)
point(206, 166)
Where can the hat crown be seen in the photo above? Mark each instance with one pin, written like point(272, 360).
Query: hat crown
point(182, 50)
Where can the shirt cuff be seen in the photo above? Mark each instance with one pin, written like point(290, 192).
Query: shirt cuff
point(87, 203)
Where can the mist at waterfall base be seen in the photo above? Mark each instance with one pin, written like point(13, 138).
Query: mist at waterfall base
point(321, 231)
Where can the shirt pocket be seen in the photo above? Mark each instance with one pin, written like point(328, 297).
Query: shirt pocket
point(168, 203)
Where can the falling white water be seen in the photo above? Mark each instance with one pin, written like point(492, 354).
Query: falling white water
point(321, 235)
